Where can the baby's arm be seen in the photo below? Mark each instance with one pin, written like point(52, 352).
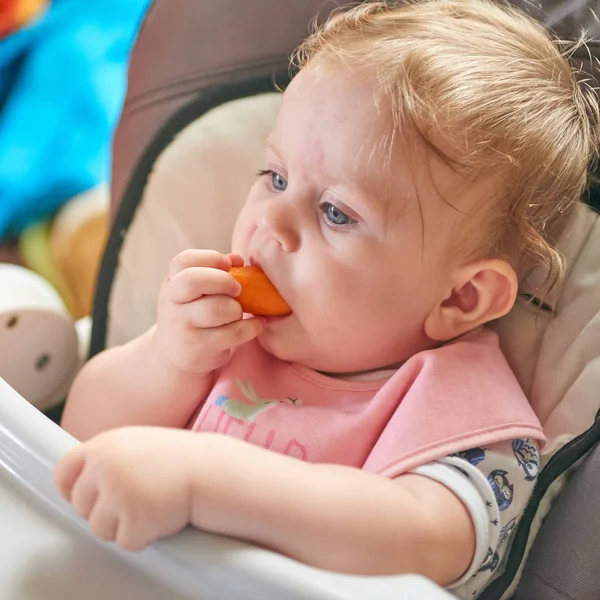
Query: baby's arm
point(132, 384)
point(333, 517)
point(161, 377)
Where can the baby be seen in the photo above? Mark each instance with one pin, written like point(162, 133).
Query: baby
point(422, 162)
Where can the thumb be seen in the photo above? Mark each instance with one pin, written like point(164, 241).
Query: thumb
point(236, 260)
point(247, 329)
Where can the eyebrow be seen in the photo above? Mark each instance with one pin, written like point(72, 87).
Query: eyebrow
point(373, 203)
point(372, 194)
point(270, 145)
point(369, 198)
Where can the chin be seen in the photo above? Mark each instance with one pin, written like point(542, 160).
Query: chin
point(278, 347)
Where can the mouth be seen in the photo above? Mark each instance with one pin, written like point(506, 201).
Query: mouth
point(276, 320)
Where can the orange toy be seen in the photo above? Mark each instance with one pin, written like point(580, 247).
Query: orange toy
point(259, 296)
point(16, 13)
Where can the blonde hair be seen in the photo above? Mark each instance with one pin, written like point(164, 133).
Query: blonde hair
point(497, 91)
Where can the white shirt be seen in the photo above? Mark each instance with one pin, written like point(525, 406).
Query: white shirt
point(495, 484)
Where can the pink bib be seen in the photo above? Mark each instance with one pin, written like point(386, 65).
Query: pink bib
point(460, 396)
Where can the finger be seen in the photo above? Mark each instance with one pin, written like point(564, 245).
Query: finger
point(103, 520)
point(195, 282)
point(236, 260)
point(127, 536)
point(84, 496)
point(67, 472)
point(212, 311)
point(198, 258)
point(234, 334)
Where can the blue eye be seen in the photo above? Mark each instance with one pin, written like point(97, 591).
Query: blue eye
point(335, 216)
point(277, 181)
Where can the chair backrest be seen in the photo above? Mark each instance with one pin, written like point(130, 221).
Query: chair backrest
point(564, 562)
point(199, 99)
point(226, 49)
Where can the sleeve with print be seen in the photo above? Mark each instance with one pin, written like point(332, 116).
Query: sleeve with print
point(495, 484)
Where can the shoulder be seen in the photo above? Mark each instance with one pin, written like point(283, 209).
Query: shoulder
point(520, 456)
point(495, 483)
point(504, 473)
point(509, 469)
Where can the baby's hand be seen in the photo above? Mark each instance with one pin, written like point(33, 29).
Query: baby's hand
point(199, 321)
point(132, 484)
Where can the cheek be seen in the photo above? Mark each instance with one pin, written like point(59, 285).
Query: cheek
point(242, 232)
point(337, 296)
point(370, 299)
point(246, 223)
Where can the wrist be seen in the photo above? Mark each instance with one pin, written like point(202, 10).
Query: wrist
point(182, 383)
point(154, 348)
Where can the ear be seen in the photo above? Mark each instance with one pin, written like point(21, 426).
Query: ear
point(480, 292)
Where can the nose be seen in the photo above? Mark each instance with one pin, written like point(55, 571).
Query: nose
point(281, 223)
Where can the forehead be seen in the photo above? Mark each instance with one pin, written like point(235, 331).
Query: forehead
point(329, 122)
point(331, 127)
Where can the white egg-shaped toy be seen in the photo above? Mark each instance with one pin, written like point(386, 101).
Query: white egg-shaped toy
point(39, 347)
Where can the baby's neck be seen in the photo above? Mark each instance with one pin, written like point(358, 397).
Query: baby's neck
point(381, 373)
point(372, 375)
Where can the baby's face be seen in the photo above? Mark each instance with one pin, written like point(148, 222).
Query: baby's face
point(360, 252)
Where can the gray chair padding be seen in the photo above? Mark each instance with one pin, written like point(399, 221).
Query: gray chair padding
point(187, 47)
point(564, 563)
point(193, 55)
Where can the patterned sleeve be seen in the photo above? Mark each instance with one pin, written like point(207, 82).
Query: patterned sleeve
point(495, 484)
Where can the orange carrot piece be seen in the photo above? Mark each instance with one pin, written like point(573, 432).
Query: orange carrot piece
point(259, 296)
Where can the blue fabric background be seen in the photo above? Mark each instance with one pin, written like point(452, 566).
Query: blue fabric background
point(62, 85)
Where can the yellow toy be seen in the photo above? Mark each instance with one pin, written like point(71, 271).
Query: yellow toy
point(67, 251)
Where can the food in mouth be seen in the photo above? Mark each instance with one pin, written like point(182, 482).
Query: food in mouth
point(259, 296)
